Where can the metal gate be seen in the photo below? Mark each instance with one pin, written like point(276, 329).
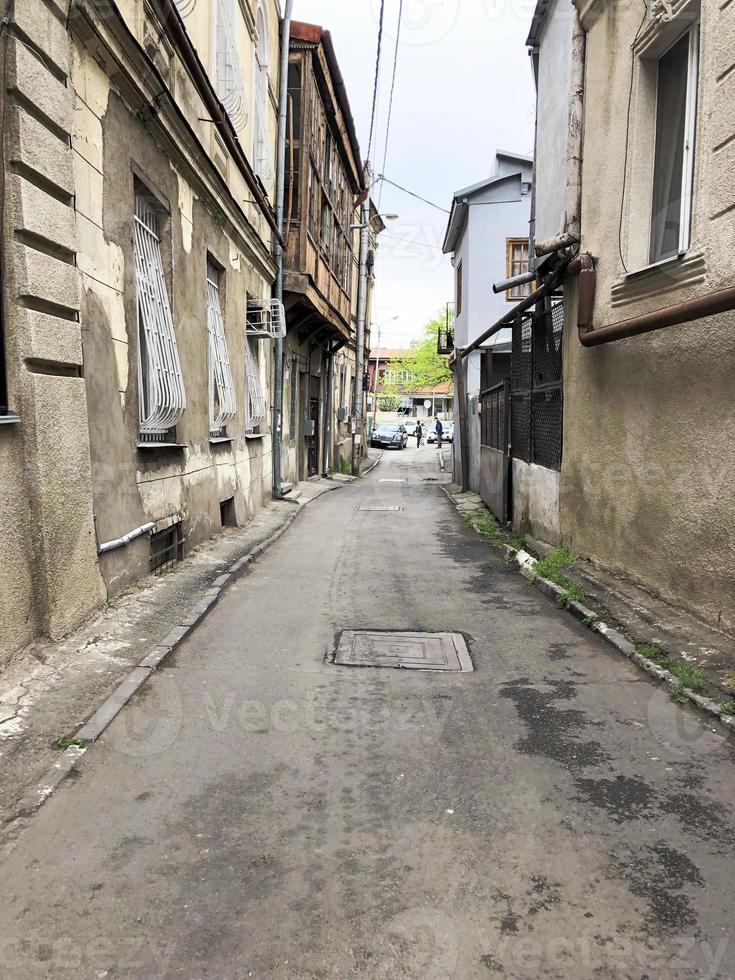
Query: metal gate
point(495, 449)
point(536, 396)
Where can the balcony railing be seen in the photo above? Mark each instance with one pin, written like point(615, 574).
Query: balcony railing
point(445, 340)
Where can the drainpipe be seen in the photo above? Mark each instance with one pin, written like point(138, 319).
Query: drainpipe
point(278, 247)
point(360, 339)
point(125, 539)
point(327, 441)
point(721, 301)
point(575, 132)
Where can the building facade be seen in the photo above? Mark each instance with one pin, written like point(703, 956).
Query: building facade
point(649, 426)
point(325, 183)
point(488, 238)
point(385, 379)
point(137, 315)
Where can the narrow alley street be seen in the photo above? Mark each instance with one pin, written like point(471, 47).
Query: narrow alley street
point(259, 811)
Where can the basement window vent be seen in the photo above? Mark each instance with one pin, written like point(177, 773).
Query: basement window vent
point(167, 548)
point(227, 514)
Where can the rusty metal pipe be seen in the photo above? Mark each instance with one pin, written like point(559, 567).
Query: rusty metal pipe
point(171, 19)
point(721, 301)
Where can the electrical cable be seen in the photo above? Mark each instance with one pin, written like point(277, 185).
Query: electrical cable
point(407, 191)
point(627, 132)
point(390, 98)
point(377, 77)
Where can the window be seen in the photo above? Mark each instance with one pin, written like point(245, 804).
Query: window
point(167, 547)
point(458, 288)
point(160, 382)
point(676, 99)
point(227, 74)
point(254, 400)
point(222, 406)
point(516, 263)
point(262, 154)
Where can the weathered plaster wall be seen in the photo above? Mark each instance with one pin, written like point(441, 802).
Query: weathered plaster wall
point(552, 119)
point(112, 148)
point(649, 422)
point(536, 500)
point(49, 580)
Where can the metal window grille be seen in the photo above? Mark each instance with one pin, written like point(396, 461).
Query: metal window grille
point(254, 396)
point(261, 152)
point(167, 548)
point(229, 81)
point(222, 404)
point(161, 385)
point(493, 416)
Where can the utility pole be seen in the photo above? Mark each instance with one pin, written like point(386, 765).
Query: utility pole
point(360, 339)
point(278, 250)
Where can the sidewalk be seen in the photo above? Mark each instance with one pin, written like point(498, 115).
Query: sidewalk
point(669, 640)
point(50, 690)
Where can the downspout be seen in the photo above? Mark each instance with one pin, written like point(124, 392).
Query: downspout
point(279, 245)
point(360, 338)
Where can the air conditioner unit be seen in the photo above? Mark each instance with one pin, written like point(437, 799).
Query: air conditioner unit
point(266, 321)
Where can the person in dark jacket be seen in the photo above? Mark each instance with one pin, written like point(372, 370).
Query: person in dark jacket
point(439, 429)
point(419, 434)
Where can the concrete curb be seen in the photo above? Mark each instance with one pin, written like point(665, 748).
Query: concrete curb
point(526, 566)
point(121, 695)
point(370, 468)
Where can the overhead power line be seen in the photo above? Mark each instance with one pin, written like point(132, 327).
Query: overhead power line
point(407, 191)
point(390, 98)
point(377, 77)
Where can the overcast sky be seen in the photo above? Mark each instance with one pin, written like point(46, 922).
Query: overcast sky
point(463, 89)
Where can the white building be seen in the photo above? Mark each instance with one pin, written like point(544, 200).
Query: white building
point(487, 234)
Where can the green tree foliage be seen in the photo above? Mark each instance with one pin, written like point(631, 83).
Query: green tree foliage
point(428, 368)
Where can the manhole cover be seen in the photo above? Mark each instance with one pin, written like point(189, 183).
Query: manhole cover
point(411, 651)
point(378, 508)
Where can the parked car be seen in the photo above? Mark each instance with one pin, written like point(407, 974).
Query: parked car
point(410, 426)
point(447, 431)
point(389, 435)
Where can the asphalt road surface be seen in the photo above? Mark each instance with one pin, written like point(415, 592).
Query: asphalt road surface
point(258, 811)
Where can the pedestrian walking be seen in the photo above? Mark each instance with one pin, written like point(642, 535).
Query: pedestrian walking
point(419, 434)
point(439, 429)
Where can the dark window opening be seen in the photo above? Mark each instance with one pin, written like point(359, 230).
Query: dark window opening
point(227, 515)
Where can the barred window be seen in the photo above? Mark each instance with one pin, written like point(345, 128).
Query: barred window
point(161, 385)
point(255, 417)
point(222, 405)
point(227, 71)
point(262, 151)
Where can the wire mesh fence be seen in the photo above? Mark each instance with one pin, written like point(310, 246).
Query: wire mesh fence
point(536, 397)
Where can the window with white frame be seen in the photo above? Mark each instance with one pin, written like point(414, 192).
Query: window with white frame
point(222, 404)
point(676, 106)
point(262, 152)
point(162, 398)
point(227, 72)
point(254, 398)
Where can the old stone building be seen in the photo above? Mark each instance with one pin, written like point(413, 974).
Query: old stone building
point(138, 165)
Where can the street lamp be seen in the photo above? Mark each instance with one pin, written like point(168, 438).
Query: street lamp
point(366, 224)
point(377, 366)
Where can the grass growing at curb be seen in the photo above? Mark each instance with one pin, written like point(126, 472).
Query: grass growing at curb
point(65, 743)
point(688, 677)
point(549, 567)
point(486, 524)
point(728, 708)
